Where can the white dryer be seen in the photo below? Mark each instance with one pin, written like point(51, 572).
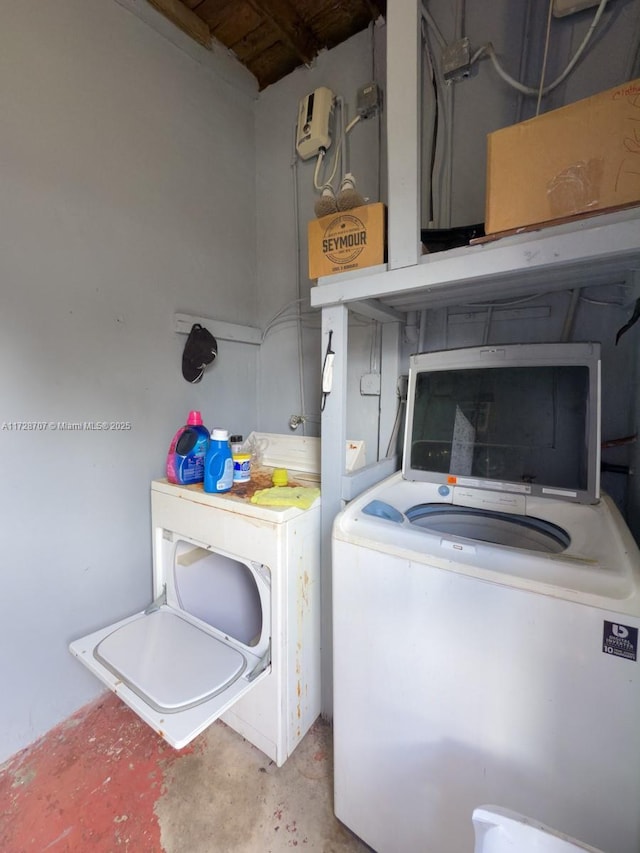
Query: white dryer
point(234, 631)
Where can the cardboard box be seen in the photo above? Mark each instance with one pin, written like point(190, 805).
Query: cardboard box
point(582, 157)
point(347, 240)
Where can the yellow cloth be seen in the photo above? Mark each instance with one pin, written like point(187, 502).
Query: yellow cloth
point(300, 496)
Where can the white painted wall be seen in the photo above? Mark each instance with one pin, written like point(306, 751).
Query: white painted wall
point(284, 182)
point(128, 194)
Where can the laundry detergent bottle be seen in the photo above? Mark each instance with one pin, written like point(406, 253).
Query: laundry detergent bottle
point(187, 453)
point(218, 464)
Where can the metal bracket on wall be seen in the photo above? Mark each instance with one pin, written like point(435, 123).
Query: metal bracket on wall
point(221, 331)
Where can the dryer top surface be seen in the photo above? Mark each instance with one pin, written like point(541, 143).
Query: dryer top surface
point(238, 499)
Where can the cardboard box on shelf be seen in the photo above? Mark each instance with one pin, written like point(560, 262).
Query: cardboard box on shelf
point(580, 158)
point(347, 240)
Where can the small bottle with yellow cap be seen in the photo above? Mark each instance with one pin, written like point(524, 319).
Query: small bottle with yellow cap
point(241, 460)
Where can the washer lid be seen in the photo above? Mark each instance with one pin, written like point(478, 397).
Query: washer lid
point(169, 662)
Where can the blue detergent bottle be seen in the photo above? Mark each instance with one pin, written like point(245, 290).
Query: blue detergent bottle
point(218, 463)
point(187, 452)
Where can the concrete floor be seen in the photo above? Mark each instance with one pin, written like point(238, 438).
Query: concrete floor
point(104, 781)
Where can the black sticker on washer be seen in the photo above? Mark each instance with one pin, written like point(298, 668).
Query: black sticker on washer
point(621, 641)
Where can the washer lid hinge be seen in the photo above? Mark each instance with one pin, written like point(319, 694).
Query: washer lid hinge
point(262, 664)
point(158, 602)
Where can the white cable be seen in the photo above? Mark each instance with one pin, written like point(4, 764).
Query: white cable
point(487, 326)
point(343, 137)
point(296, 213)
point(352, 124)
point(339, 154)
point(291, 304)
point(612, 304)
point(527, 90)
point(544, 57)
point(524, 56)
point(340, 145)
point(434, 27)
point(442, 153)
point(283, 321)
point(459, 25)
point(339, 148)
point(422, 333)
point(316, 171)
point(505, 304)
point(278, 314)
point(343, 142)
point(427, 127)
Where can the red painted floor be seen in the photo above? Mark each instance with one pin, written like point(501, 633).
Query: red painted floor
point(89, 785)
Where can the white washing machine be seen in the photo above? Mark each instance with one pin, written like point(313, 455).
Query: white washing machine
point(234, 632)
point(501, 831)
point(486, 631)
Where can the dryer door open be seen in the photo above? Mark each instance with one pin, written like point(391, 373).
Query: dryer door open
point(178, 672)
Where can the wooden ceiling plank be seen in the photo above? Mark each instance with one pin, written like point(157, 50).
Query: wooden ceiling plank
point(218, 12)
point(273, 64)
point(233, 29)
point(295, 32)
point(185, 19)
point(257, 43)
point(335, 21)
point(377, 8)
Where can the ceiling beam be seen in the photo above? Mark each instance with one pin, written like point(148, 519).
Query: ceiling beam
point(294, 31)
point(185, 19)
point(376, 8)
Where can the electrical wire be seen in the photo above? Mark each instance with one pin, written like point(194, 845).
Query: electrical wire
point(422, 333)
point(292, 303)
point(374, 77)
point(293, 318)
point(544, 57)
point(524, 57)
point(612, 304)
point(296, 213)
point(375, 347)
point(339, 152)
point(505, 304)
point(569, 320)
point(513, 302)
point(395, 429)
point(340, 155)
point(426, 14)
point(489, 50)
point(487, 325)
point(316, 171)
point(461, 12)
point(443, 133)
point(284, 321)
point(337, 155)
point(429, 124)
